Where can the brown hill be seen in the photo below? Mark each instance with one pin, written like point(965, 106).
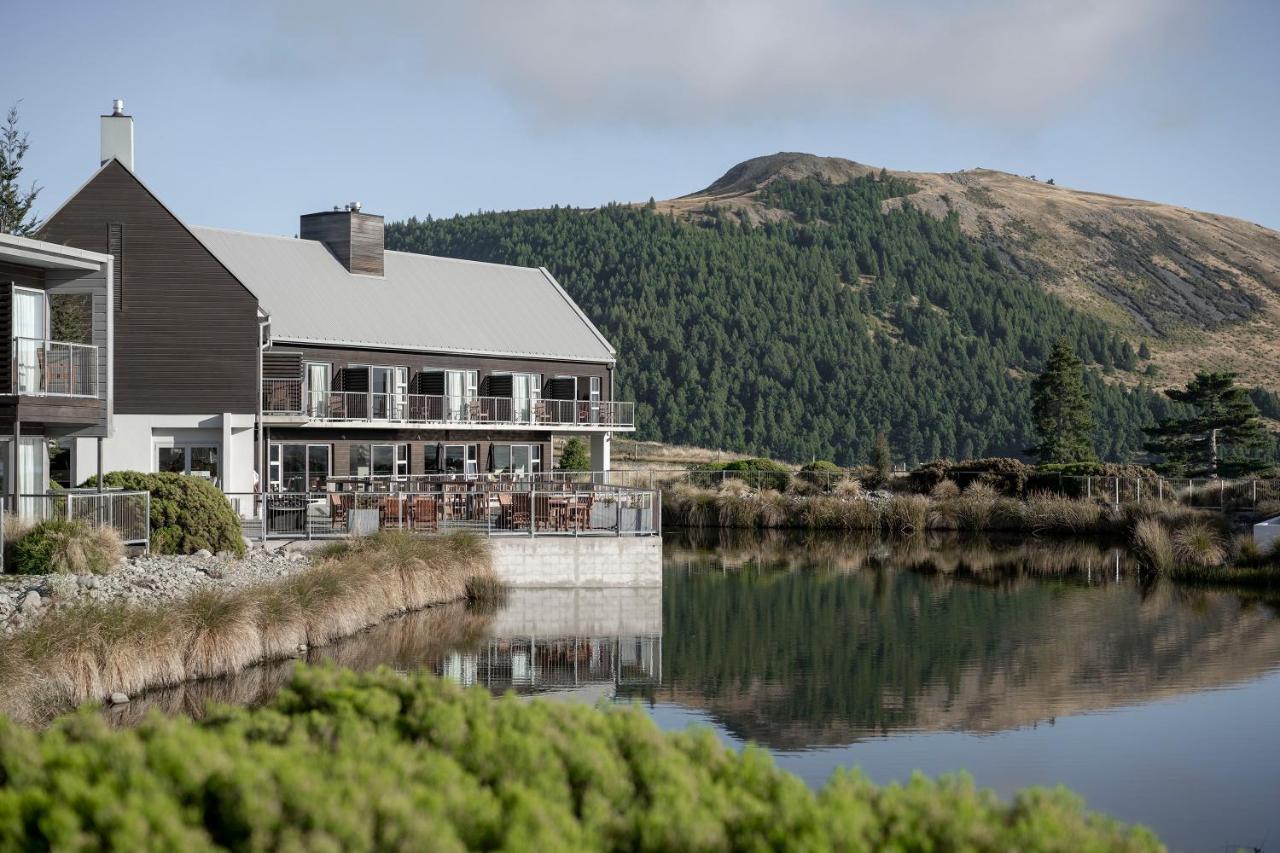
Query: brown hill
point(1203, 290)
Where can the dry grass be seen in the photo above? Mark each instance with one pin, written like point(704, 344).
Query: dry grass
point(88, 651)
point(1153, 544)
point(1199, 544)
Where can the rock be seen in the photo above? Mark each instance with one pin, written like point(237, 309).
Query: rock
point(31, 602)
point(119, 698)
point(203, 553)
point(226, 555)
point(213, 572)
point(296, 557)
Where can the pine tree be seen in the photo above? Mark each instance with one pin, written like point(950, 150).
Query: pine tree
point(1144, 352)
point(1061, 409)
point(574, 456)
point(1223, 435)
point(15, 204)
point(882, 458)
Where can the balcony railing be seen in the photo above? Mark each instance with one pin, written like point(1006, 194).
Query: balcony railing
point(289, 397)
point(42, 367)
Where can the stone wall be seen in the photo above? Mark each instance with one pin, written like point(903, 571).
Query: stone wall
point(585, 561)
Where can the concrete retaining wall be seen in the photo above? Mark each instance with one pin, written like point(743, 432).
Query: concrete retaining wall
point(585, 561)
point(599, 612)
point(1266, 533)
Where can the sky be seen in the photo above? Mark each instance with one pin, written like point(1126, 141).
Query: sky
point(249, 114)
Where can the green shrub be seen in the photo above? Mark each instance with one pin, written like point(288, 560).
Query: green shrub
point(823, 474)
point(757, 473)
point(187, 513)
point(62, 546)
point(574, 456)
point(379, 761)
point(1009, 477)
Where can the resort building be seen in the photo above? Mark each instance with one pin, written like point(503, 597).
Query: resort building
point(56, 391)
point(308, 363)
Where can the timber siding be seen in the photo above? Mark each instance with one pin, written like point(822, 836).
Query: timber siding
point(185, 329)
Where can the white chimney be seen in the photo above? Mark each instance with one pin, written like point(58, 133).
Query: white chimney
point(117, 136)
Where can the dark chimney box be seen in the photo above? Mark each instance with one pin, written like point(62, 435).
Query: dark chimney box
point(355, 239)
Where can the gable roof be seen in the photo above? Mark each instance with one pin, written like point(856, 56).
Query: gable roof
point(422, 302)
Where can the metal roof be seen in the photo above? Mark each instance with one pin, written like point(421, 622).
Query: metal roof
point(422, 302)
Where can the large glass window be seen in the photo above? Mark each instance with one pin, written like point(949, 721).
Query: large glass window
point(360, 460)
point(526, 390)
point(380, 460)
point(517, 458)
point(462, 460)
point(319, 380)
point(200, 460)
point(460, 389)
point(384, 460)
point(299, 467)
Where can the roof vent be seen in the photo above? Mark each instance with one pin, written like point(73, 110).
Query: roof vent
point(117, 107)
point(353, 206)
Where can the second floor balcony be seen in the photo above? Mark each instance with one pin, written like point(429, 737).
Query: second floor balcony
point(42, 367)
point(289, 400)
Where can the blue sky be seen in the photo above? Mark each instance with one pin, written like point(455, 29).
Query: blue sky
point(249, 114)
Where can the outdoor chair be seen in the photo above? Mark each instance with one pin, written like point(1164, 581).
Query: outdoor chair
point(423, 513)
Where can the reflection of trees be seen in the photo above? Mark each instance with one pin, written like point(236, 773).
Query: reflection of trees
point(802, 643)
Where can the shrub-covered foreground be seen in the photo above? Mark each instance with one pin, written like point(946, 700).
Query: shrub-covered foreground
point(87, 651)
point(346, 762)
point(187, 513)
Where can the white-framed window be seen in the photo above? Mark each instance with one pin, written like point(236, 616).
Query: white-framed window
point(461, 387)
point(30, 330)
point(594, 399)
point(200, 459)
point(526, 391)
point(319, 382)
point(388, 390)
point(380, 460)
point(299, 467)
point(517, 458)
point(460, 460)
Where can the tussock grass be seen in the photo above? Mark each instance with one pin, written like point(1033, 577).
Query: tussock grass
point(1153, 545)
point(87, 651)
point(1199, 544)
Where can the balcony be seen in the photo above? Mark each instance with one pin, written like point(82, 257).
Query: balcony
point(287, 401)
point(44, 368)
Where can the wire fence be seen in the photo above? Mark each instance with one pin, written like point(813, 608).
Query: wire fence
point(1205, 492)
point(127, 513)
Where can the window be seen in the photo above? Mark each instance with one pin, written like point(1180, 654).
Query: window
point(462, 460)
point(199, 460)
point(526, 390)
point(30, 325)
point(299, 467)
point(517, 458)
point(388, 391)
point(594, 398)
point(460, 388)
point(380, 460)
point(319, 378)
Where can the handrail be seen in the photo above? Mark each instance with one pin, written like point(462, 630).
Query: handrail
point(43, 367)
point(289, 397)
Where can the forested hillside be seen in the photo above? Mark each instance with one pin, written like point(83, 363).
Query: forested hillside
point(801, 337)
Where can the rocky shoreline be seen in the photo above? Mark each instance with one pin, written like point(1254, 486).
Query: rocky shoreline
point(148, 579)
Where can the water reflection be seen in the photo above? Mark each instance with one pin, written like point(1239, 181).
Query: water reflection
point(800, 644)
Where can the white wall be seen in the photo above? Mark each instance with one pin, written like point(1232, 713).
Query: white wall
point(585, 561)
point(131, 445)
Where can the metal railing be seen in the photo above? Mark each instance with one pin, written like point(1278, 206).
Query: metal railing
point(491, 509)
point(290, 397)
point(128, 513)
point(44, 367)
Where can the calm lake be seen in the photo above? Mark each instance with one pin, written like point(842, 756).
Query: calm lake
point(1039, 663)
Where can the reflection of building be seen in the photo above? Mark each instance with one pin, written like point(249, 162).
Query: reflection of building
point(624, 666)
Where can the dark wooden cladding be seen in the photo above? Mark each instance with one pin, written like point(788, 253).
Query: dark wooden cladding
point(491, 369)
point(281, 364)
point(186, 341)
point(355, 239)
point(21, 276)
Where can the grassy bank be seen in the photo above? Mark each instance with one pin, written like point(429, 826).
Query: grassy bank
point(85, 652)
point(978, 508)
point(340, 761)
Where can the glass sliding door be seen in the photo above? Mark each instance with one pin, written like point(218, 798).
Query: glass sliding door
point(31, 471)
point(460, 391)
point(29, 326)
point(526, 390)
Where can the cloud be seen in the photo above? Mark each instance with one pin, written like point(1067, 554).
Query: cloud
point(665, 61)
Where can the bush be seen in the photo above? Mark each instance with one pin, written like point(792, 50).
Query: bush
point(758, 473)
point(63, 546)
point(187, 513)
point(1199, 544)
point(380, 761)
point(1009, 477)
point(822, 474)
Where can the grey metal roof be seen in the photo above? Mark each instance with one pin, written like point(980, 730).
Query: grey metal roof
point(422, 302)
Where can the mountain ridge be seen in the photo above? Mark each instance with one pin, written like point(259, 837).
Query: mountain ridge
point(1202, 289)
